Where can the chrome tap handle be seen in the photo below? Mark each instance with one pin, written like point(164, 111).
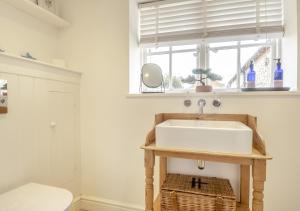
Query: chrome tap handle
point(217, 103)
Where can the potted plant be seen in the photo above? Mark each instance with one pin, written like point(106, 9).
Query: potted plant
point(200, 78)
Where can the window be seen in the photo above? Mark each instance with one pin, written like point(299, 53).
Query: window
point(176, 63)
point(230, 60)
point(222, 35)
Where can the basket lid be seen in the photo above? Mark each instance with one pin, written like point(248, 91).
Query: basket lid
point(208, 186)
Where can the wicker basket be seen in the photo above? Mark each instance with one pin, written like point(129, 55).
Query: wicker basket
point(193, 193)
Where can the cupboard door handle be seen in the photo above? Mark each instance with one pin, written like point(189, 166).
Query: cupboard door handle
point(52, 124)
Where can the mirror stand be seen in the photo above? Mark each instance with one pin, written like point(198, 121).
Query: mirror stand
point(142, 87)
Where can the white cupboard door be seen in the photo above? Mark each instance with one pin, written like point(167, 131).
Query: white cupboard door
point(62, 124)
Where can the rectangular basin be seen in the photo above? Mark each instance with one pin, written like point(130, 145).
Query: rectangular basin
point(198, 135)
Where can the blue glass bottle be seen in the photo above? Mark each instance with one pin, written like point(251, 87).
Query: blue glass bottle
point(278, 74)
point(251, 76)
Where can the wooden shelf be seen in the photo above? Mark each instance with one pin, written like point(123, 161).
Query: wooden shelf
point(38, 12)
point(208, 156)
point(37, 62)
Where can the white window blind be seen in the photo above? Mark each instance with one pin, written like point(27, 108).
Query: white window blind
point(175, 20)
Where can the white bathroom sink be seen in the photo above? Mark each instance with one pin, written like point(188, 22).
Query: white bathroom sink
point(212, 136)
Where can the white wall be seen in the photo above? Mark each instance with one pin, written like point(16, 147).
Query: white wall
point(134, 51)
point(22, 33)
point(114, 126)
point(298, 22)
point(290, 44)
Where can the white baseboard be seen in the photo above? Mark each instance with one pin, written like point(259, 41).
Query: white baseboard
point(87, 203)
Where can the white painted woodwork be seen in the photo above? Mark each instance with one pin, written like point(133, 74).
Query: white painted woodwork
point(36, 11)
point(31, 150)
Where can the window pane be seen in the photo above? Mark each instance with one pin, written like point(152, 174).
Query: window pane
point(224, 63)
point(162, 61)
point(262, 64)
point(182, 64)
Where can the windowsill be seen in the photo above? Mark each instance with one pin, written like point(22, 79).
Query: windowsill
point(210, 94)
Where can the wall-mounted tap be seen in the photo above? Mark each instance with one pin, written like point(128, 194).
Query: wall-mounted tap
point(187, 103)
point(201, 103)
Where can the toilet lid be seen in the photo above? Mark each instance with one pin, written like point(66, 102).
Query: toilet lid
point(35, 197)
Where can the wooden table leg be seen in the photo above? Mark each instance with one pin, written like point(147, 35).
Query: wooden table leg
point(259, 178)
point(245, 186)
point(149, 188)
point(163, 162)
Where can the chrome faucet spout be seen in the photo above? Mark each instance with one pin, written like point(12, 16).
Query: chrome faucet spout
point(201, 164)
point(201, 104)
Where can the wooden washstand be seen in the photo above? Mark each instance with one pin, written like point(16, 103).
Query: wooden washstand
point(256, 160)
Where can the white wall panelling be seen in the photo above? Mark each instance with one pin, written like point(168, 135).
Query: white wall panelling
point(31, 150)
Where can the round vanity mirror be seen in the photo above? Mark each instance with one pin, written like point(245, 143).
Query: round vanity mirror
point(151, 75)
